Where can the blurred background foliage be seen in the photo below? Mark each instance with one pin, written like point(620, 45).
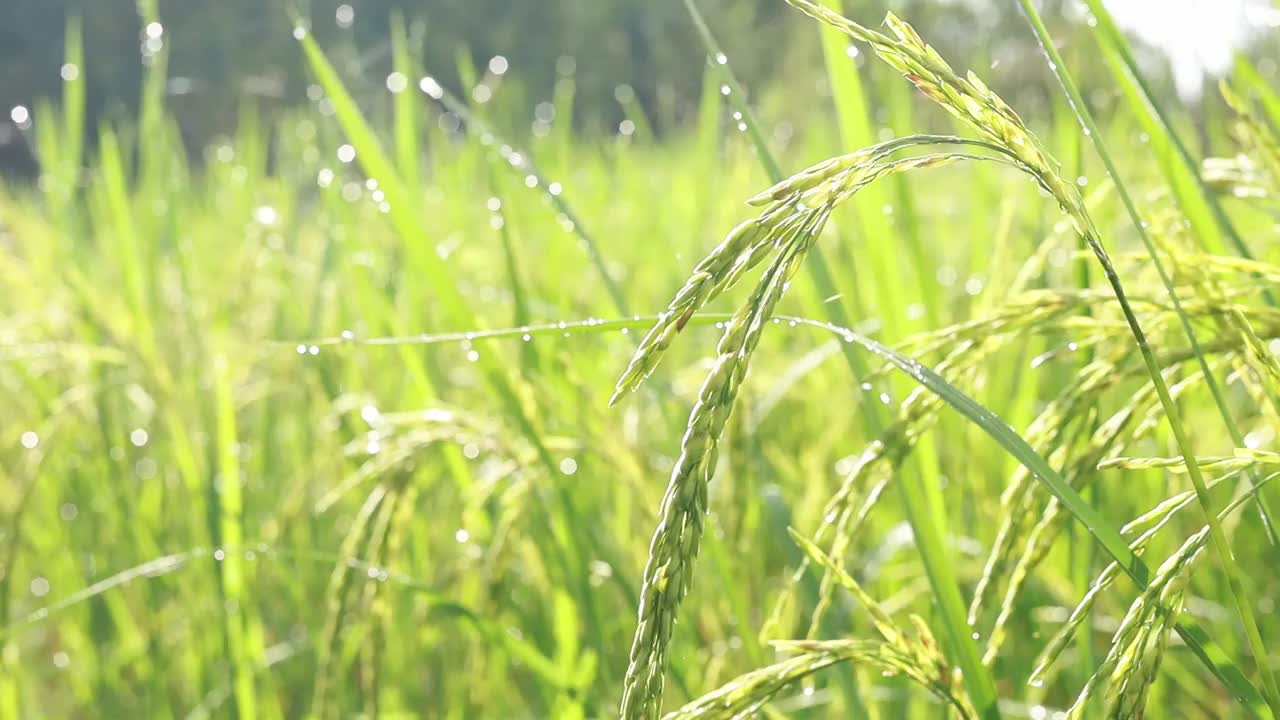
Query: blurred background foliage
point(221, 53)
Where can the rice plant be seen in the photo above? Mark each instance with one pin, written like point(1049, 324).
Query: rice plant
point(338, 421)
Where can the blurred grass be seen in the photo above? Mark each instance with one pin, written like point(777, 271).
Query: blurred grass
point(184, 359)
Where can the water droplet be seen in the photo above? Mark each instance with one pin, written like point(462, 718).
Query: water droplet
point(30, 440)
point(568, 466)
point(345, 16)
point(626, 127)
point(219, 555)
point(1082, 181)
point(346, 153)
point(471, 451)
point(526, 337)
point(432, 88)
point(531, 181)
point(69, 72)
point(498, 65)
point(482, 94)
point(555, 188)
point(852, 51)
point(39, 587)
point(145, 469)
point(725, 90)
point(20, 116)
point(473, 356)
point(722, 59)
point(266, 215)
point(462, 535)
point(299, 32)
point(139, 437)
point(397, 82)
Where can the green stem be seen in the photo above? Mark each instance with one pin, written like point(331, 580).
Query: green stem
point(1219, 540)
point(1114, 41)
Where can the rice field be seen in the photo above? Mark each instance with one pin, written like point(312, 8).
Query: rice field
point(931, 400)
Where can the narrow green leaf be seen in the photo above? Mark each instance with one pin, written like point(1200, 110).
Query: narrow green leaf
point(1107, 536)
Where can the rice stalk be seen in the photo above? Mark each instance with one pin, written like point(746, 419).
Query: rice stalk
point(1040, 539)
point(369, 611)
point(795, 212)
point(825, 184)
point(1045, 432)
point(1219, 540)
point(972, 102)
point(674, 547)
point(1149, 525)
point(745, 694)
point(1138, 645)
point(879, 617)
point(335, 600)
point(877, 468)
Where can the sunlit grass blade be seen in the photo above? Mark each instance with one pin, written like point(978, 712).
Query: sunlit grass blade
point(1233, 572)
point(1111, 541)
point(71, 150)
point(400, 83)
point(369, 153)
point(234, 583)
point(878, 240)
point(521, 162)
point(575, 536)
point(1201, 207)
